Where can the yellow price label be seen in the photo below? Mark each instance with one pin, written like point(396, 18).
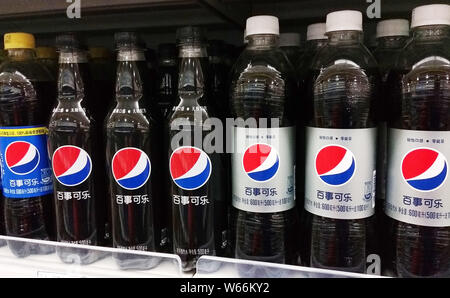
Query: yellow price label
point(23, 132)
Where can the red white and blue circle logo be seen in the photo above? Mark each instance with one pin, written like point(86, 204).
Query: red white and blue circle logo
point(261, 162)
point(22, 157)
point(190, 167)
point(335, 165)
point(424, 169)
point(131, 168)
point(71, 165)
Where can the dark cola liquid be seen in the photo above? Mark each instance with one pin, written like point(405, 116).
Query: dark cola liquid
point(132, 223)
point(29, 217)
point(133, 226)
point(198, 208)
point(158, 126)
point(76, 217)
point(264, 91)
point(199, 229)
point(128, 126)
point(99, 88)
point(336, 243)
point(420, 250)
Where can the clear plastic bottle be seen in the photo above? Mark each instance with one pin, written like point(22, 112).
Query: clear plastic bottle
point(315, 40)
point(341, 149)
point(262, 88)
point(72, 144)
point(131, 162)
point(197, 228)
point(26, 94)
point(392, 36)
point(418, 152)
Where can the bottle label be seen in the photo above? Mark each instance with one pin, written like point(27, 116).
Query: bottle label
point(190, 167)
point(190, 170)
point(340, 172)
point(131, 168)
point(263, 166)
point(25, 166)
point(417, 186)
point(71, 165)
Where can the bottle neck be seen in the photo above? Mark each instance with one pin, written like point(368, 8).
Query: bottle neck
point(348, 37)
point(70, 80)
point(392, 42)
point(21, 54)
point(129, 85)
point(130, 54)
point(262, 41)
point(194, 50)
point(315, 44)
point(431, 33)
point(191, 82)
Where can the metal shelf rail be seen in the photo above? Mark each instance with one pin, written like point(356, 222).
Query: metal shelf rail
point(104, 264)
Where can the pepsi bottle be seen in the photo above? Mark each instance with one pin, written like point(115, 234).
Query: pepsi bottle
point(264, 221)
point(341, 151)
point(196, 193)
point(131, 164)
point(71, 143)
point(392, 36)
point(25, 96)
point(417, 203)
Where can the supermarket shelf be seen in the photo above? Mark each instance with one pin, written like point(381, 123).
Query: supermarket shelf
point(27, 8)
point(216, 267)
point(49, 16)
point(161, 265)
point(50, 265)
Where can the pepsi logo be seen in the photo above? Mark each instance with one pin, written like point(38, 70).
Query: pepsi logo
point(71, 165)
point(261, 162)
point(190, 167)
point(131, 168)
point(424, 169)
point(22, 157)
point(335, 165)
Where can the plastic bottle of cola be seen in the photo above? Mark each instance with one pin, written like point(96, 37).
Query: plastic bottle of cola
point(341, 149)
point(417, 195)
point(264, 218)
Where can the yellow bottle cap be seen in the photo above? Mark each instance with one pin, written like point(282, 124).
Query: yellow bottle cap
point(46, 53)
point(98, 52)
point(19, 40)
